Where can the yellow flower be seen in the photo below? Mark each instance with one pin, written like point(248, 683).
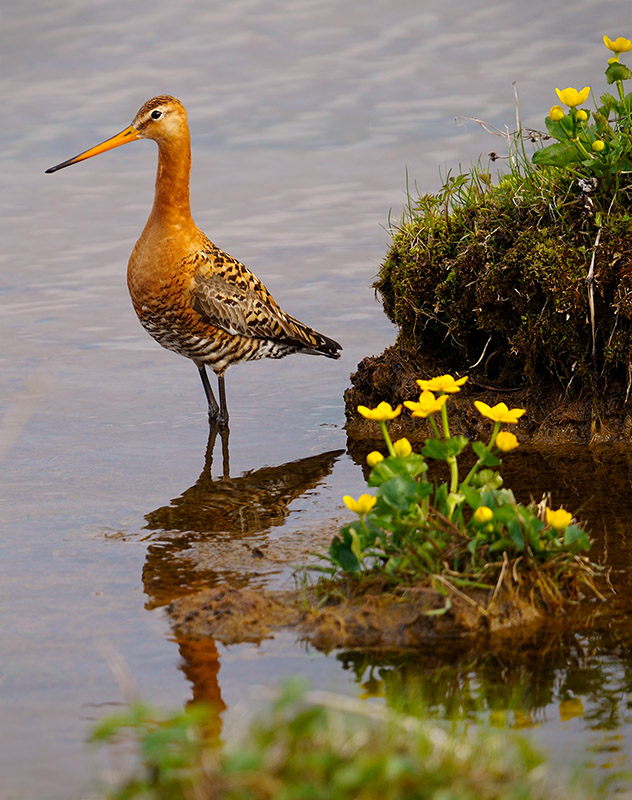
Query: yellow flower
point(556, 113)
point(620, 45)
point(374, 458)
point(571, 97)
point(598, 145)
point(500, 412)
point(581, 115)
point(483, 515)
point(362, 505)
point(559, 519)
point(402, 448)
point(428, 404)
point(506, 441)
point(443, 383)
point(381, 413)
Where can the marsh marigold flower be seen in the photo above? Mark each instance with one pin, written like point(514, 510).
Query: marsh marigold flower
point(571, 97)
point(374, 458)
point(620, 44)
point(381, 412)
point(559, 519)
point(428, 404)
point(581, 115)
point(362, 505)
point(500, 412)
point(556, 113)
point(506, 441)
point(598, 145)
point(402, 448)
point(443, 383)
point(483, 515)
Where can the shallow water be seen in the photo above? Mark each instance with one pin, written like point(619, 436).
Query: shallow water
point(304, 118)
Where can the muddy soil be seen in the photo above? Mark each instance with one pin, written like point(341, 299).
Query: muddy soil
point(412, 619)
point(550, 419)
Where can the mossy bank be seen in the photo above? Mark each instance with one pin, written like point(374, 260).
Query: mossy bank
point(525, 285)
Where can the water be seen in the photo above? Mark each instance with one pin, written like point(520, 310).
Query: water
point(304, 117)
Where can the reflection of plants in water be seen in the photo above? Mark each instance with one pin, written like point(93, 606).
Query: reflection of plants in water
point(319, 745)
point(565, 676)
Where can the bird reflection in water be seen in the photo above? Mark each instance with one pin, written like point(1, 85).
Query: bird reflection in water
point(209, 535)
point(218, 514)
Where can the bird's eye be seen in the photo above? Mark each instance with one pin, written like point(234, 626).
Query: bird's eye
point(156, 114)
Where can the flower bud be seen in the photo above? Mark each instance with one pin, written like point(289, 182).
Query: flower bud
point(506, 441)
point(598, 145)
point(556, 113)
point(402, 448)
point(581, 115)
point(483, 515)
point(374, 458)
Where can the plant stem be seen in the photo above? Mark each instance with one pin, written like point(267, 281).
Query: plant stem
point(494, 435)
point(434, 426)
point(387, 438)
point(479, 462)
point(451, 460)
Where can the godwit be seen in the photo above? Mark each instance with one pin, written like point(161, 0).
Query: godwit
point(188, 294)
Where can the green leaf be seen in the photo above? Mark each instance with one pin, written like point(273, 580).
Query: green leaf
point(514, 529)
point(617, 72)
point(486, 457)
point(501, 545)
point(561, 129)
point(576, 539)
point(442, 449)
point(601, 122)
point(356, 547)
point(472, 497)
point(556, 155)
point(488, 479)
point(341, 553)
point(441, 499)
point(412, 465)
point(401, 492)
point(609, 103)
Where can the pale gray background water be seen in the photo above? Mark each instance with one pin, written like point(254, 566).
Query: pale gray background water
point(304, 117)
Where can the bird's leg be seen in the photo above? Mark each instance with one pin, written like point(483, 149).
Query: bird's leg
point(223, 408)
point(213, 408)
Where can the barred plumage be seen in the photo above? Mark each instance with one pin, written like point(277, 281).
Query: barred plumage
point(189, 295)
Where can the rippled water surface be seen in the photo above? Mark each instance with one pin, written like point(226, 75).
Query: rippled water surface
point(304, 116)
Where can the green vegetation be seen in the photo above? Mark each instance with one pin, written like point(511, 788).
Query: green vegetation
point(324, 747)
point(466, 530)
point(525, 279)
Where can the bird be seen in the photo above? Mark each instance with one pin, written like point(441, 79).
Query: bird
point(189, 295)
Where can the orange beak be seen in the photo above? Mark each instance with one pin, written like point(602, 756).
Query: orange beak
point(128, 135)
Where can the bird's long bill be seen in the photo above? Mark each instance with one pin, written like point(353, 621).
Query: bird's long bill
point(128, 135)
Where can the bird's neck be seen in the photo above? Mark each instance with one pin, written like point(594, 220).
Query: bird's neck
point(171, 198)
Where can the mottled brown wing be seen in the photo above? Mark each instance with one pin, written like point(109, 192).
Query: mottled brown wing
point(229, 296)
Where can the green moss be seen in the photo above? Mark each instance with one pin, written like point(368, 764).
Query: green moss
point(498, 280)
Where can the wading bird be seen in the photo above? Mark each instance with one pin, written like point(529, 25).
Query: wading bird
point(188, 294)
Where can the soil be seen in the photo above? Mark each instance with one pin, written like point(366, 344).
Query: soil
point(551, 418)
point(407, 620)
